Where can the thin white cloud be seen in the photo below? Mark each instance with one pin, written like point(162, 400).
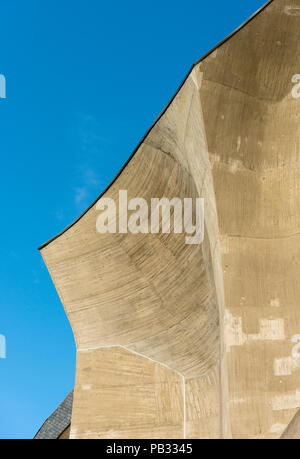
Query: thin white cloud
point(80, 195)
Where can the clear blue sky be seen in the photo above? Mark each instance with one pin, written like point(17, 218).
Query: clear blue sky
point(85, 79)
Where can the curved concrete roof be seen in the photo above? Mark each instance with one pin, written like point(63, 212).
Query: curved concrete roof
point(175, 340)
point(156, 121)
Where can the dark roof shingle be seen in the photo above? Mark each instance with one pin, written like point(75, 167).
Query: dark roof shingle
point(59, 420)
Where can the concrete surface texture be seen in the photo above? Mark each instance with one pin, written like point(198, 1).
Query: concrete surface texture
point(199, 341)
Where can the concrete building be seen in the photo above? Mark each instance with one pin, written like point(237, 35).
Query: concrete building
point(199, 341)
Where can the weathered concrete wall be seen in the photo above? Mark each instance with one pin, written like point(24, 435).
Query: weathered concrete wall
point(179, 340)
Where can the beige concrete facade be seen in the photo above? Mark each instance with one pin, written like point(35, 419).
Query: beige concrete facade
point(199, 341)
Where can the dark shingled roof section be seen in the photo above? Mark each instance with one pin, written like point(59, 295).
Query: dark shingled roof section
point(54, 426)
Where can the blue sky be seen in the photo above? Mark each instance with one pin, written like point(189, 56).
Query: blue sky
point(85, 79)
